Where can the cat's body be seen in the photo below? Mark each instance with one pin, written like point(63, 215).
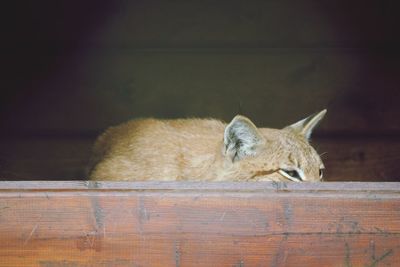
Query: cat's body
point(206, 149)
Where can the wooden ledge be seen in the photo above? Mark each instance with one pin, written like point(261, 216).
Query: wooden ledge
point(204, 186)
point(79, 223)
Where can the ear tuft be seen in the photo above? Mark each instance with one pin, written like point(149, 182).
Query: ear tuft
point(241, 138)
point(306, 126)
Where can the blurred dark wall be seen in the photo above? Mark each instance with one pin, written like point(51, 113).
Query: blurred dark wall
point(75, 67)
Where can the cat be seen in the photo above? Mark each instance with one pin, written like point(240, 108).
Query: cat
point(206, 150)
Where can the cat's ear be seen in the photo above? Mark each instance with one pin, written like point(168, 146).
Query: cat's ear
point(241, 139)
point(306, 126)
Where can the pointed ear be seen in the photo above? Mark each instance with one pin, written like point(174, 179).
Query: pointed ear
point(306, 126)
point(241, 138)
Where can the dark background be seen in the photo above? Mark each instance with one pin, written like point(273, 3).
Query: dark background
point(73, 68)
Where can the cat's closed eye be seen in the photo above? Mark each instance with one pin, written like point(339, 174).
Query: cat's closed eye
point(291, 174)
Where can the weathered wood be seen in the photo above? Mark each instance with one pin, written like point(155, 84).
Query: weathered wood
point(199, 224)
point(368, 188)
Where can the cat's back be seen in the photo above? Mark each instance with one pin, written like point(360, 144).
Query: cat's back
point(157, 139)
point(138, 130)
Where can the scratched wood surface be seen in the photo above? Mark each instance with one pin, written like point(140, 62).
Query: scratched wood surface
point(199, 224)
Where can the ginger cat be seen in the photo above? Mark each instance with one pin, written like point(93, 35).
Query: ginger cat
point(206, 150)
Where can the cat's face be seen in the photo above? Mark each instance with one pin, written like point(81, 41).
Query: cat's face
point(285, 156)
point(271, 154)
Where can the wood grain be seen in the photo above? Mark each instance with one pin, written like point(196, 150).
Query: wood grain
point(199, 224)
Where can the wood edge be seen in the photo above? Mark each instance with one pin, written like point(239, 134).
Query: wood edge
point(338, 187)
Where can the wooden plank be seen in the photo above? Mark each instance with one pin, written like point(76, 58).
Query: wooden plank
point(363, 188)
point(44, 158)
point(360, 159)
point(55, 158)
point(199, 224)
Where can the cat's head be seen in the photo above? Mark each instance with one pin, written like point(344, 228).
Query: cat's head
point(263, 154)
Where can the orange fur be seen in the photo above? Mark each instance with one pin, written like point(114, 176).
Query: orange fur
point(202, 149)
